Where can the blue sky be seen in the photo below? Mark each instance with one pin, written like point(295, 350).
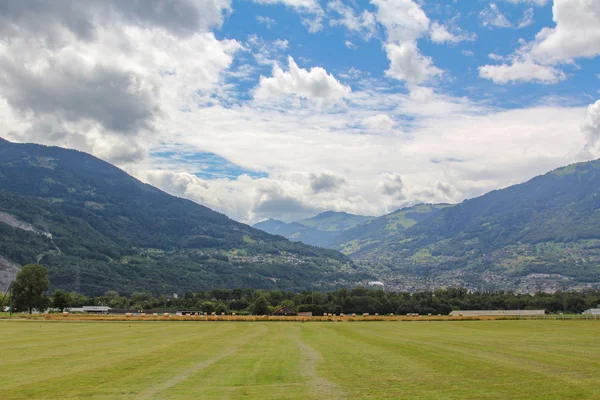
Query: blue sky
point(287, 108)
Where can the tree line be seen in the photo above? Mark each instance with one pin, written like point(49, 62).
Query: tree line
point(29, 292)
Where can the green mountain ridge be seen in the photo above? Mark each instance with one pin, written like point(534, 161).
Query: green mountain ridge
point(541, 234)
point(103, 229)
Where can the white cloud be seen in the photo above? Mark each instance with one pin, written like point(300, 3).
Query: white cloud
point(363, 23)
point(379, 123)
point(310, 11)
point(467, 53)
point(591, 130)
point(539, 3)
point(576, 35)
point(281, 44)
point(315, 84)
point(105, 84)
point(307, 5)
point(171, 75)
point(268, 22)
point(391, 184)
point(527, 19)
point(404, 20)
point(266, 53)
point(492, 16)
point(350, 45)
point(405, 23)
point(496, 57)
point(440, 34)
point(325, 182)
point(408, 64)
point(521, 71)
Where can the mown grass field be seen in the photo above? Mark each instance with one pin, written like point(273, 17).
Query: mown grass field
point(294, 360)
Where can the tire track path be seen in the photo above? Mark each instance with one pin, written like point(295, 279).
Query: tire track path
point(320, 388)
point(195, 368)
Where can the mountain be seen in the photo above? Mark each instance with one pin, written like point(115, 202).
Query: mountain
point(542, 234)
point(332, 221)
point(319, 230)
point(379, 230)
point(97, 228)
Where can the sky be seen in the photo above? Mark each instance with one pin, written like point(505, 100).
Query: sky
point(286, 108)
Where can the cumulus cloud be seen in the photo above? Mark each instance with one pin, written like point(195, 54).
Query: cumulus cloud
point(521, 71)
point(69, 67)
point(492, 16)
point(325, 182)
point(405, 23)
point(315, 84)
point(379, 123)
point(591, 129)
point(391, 184)
point(576, 35)
point(408, 64)
point(440, 34)
point(174, 80)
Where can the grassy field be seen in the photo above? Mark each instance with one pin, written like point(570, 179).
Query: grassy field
point(294, 360)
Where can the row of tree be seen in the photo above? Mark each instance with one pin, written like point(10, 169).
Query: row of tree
point(28, 292)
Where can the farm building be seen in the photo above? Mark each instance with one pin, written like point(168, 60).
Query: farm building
point(592, 311)
point(495, 313)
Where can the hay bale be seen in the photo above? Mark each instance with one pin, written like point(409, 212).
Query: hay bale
point(166, 315)
point(365, 314)
point(233, 314)
point(353, 314)
point(377, 314)
point(429, 315)
point(65, 314)
point(155, 314)
point(391, 314)
point(129, 314)
point(222, 313)
point(143, 314)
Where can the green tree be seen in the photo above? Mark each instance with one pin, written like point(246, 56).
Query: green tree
point(260, 306)
point(61, 299)
point(208, 307)
point(4, 300)
point(221, 308)
point(28, 291)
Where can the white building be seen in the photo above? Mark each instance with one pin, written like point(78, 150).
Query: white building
point(91, 309)
point(592, 311)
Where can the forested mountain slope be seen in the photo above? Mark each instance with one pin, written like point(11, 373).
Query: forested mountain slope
point(544, 232)
point(97, 228)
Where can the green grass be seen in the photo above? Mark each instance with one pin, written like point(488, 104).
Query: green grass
point(293, 360)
